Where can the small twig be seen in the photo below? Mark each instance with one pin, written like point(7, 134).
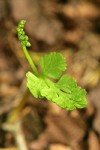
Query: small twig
point(13, 122)
point(17, 131)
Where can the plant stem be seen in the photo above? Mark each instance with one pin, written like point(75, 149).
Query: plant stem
point(30, 61)
point(19, 137)
point(17, 131)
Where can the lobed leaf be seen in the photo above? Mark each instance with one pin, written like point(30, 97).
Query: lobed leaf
point(75, 92)
point(53, 64)
point(62, 93)
point(35, 84)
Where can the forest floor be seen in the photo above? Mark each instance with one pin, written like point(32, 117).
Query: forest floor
point(71, 27)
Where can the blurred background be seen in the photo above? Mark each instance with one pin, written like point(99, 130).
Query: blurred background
point(71, 27)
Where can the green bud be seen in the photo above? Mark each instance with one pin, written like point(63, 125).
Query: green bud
point(28, 44)
point(21, 34)
point(26, 38)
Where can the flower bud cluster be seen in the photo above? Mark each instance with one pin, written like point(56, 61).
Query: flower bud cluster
point(21, 34)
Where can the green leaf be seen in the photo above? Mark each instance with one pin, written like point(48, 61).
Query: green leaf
point(53, 64)
point(76, 93)
point(57, 96)
point(61, 93)
point(35, 84)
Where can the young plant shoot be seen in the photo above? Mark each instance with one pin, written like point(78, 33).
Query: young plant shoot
point(64, 91)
